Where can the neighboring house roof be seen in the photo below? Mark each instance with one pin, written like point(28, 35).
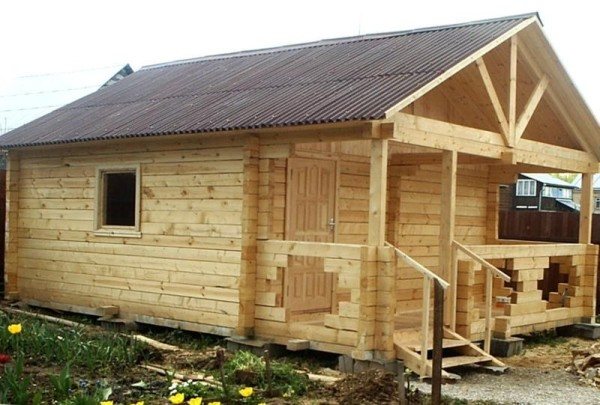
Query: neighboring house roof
point(357, 78)
point(26, 98)
point(548, 179)
point(568, 203)
point(595, 183)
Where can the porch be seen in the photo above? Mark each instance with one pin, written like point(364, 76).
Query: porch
point(369, 319)
point(368, 222)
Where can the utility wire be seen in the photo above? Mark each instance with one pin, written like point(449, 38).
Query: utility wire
point(47, 91)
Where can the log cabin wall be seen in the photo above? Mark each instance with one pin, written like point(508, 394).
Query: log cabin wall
point(418, 225)
point(183, 271)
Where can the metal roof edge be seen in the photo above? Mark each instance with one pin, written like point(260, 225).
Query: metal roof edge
point(334, 41)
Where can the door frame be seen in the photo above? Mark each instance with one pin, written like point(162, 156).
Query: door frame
point(310, 156)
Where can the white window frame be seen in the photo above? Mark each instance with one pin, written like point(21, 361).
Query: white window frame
point(597, 203)
point(100, 229)
point(524, 187)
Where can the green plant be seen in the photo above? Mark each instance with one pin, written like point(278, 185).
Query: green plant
point(50, 344)
point(247, 369)
point(62, 384)
point(14, 385)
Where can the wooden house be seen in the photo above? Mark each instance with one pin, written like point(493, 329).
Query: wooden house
point(541, 192)
point(596, 186)
point(309, 194)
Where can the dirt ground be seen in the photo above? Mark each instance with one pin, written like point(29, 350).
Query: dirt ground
point(537, 376)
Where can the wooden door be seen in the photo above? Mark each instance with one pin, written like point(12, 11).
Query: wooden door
point(310, 208)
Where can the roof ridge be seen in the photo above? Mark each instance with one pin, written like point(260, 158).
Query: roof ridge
point(335, 41)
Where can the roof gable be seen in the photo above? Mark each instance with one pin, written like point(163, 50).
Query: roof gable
point(358, 78)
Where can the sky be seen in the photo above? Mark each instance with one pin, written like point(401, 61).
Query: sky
point(39, 37)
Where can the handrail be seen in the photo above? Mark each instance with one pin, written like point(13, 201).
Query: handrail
point(496, 271)
point(419, 267)
point(438, 300)
point(491, 271)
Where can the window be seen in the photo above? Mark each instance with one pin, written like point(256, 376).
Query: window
point(118, 201)
point(557, 192)
point(597, 203)
point(526, 188)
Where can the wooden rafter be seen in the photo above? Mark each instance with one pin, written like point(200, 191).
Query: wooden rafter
point(456, 68)
point(555, 102)
point(512, 94)
point(491, 91)
point(532, 103)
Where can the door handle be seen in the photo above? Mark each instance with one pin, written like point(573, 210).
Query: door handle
point(331, 224)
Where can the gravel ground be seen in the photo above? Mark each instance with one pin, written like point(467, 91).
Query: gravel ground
point(519, 385)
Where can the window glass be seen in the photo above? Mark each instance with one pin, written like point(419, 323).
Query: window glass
point(526, 188)
point(119, 199)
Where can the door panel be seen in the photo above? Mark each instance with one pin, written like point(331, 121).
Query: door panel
point(311, 205)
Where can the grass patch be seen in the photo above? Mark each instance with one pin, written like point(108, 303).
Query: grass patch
point(42, 343)
point(549, 338)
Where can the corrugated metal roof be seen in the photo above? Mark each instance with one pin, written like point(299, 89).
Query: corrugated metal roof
point(548, 179)
point(355, 78)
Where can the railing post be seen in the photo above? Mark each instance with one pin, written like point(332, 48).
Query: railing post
point(488, 310)
point(425, 324)
point(452, 296)
point(438, 336)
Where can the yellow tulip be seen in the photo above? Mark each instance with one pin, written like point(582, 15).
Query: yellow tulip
point(214, 403)
point(246, 392)
point(106, 403)
point(177, 398)
point(15, 328)
point(195, 401)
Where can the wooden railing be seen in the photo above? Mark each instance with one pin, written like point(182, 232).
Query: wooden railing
point(439, 286)
point(491, 272)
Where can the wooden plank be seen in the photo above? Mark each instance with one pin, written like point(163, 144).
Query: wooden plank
point(377, 192)
point(491, 91)
point(488, 311)
point(587, 210)
point(530, 107)
point(512, 93)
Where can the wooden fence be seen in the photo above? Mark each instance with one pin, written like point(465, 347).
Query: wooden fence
point(548, 227)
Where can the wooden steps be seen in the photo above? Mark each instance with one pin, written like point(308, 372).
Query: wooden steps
point(455, 361)
point(457, 351)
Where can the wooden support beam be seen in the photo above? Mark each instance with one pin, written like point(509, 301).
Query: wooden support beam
point(438, 343)
point(459, 66)
point(587, 208)
point(555, 101)
point(512, 94)
point(377, 192)
point(489, 86)
point(447, 223)
point(11, 243)
point(247, 278)
point(532, 103)
point(414, 130)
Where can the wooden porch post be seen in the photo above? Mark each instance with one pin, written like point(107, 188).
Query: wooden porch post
point(377, 192)
point(587, 208)
point(447, 214)
point(386, 260)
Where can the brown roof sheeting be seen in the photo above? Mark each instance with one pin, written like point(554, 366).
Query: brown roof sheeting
point(355, 78)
